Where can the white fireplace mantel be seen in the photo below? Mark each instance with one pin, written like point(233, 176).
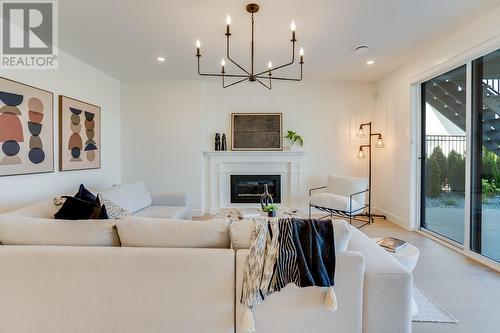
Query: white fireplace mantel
point(223, 164)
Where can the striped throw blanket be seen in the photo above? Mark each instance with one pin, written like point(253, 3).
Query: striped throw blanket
point(283, 251)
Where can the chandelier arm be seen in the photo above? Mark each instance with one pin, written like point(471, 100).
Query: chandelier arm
point(219, 75)
point(284, 65)
point(229, 58)
point(284, 78)
point(235, 82)
point(268, 87)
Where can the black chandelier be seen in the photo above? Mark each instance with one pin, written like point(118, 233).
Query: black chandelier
point(265, 77)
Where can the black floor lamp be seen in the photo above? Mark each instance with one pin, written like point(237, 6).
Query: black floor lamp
point(361, 155)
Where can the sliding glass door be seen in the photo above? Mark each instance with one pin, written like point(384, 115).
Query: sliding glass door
point(460, 156)
point(443, 145)
point(485, 180)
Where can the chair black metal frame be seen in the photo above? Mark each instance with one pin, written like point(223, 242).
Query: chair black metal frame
point(358, 215)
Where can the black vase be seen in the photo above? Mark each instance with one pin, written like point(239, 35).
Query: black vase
point(266, 198)
point(224, 142)
point(217, 142)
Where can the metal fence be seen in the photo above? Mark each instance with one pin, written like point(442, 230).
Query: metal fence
point(447, 143)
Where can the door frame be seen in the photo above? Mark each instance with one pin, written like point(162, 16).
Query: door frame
point(464, 58)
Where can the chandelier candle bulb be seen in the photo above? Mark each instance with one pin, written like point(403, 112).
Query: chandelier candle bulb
point(198, 45)
point(292, 27)
point(228, 24)
point(301, 52)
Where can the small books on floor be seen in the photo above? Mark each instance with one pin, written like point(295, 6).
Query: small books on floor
point(249, 213)
point(391, 244)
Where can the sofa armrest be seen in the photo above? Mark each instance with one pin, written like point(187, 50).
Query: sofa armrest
point(388, 288)
point(170, 199)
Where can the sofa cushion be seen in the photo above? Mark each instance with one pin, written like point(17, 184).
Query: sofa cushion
point(173, 212)
point(113, 211)
point(241, 234)
point(154, 232)
point(43, 209)
point(85, 194)
point(79, 209)
point(17, 230)
point(116, 195)
point(137, 196)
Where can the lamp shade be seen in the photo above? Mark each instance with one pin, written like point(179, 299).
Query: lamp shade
point(361, 154)
point(360, 133)
point(380, 142)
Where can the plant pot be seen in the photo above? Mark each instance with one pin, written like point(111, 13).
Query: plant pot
point(272, 214)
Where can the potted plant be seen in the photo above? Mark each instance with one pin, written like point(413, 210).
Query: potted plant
point(293, 138)
point(271, 210)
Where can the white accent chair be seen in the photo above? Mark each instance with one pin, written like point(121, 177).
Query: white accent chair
point(343, 197)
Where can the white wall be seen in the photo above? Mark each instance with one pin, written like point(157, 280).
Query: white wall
point(394, 170)
point(162, 126)
point(167, 124)
point(76, 79)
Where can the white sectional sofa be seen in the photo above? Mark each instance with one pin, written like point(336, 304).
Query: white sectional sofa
point(134, 197)
point(181, 276)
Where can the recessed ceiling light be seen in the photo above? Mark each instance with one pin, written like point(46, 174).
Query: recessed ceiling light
point(361, 49)
point(160, 59)
point(370, 62)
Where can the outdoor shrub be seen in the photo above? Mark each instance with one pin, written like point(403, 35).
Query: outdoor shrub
point(456, 171)
point(491, 166)
point(489, 188)
point(438, 156)
point(432, 183)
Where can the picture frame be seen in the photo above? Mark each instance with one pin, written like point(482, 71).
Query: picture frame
point(79, 135)
point(26, 129)
point(257, 131)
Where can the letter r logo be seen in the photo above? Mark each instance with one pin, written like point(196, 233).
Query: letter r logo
point(27, 27)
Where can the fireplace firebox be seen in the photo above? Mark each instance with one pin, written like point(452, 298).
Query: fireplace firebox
point(249, 188)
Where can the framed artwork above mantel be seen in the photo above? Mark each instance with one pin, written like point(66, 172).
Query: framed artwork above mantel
point(257, 131)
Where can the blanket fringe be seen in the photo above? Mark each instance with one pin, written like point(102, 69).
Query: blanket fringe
point(331, 300)
point(248, 324)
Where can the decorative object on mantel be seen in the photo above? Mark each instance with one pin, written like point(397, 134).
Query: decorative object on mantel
point(256, 131)
point(224, 142)
point(264, 77)
point(79, 151)
point(217, 141)
point(292, 138)
point(361, 155)
point(266, 198)
point(26, 129)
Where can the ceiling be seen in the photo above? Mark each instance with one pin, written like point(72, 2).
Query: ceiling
point(124, 38)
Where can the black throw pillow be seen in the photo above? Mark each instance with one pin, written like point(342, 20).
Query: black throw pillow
point(75, 209)
point(85, 194)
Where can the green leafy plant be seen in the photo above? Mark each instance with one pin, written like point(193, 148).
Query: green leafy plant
point(270, 208)
point(293, 137)
point(489, 189)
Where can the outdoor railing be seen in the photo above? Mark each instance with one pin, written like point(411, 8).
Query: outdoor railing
point(447, 143)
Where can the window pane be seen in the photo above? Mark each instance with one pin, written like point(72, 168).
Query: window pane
point(443, 152)
point(485, 224)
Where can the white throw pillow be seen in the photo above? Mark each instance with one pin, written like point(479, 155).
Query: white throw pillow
point(113, 210)
point(17, 230)
point(137, 196)
point(241, 234)
point(154, 232)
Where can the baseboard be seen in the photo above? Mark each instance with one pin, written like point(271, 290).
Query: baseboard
point(391, 217)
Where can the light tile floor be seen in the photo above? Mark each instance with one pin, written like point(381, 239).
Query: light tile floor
point(468, 290)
